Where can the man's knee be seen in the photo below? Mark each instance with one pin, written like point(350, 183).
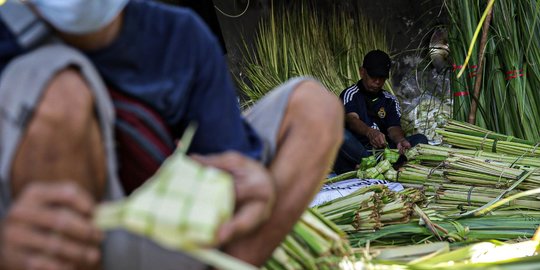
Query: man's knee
point(314, 103)
point(62, 140)
point(417, 139)
point(67, 103)
point(352, 148)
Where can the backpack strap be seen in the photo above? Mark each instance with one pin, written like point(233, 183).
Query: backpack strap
point(25, 25)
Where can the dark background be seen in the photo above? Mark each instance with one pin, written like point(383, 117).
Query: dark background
point(409, 23)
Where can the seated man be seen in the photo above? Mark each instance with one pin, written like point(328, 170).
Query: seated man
point(372, 115)
point(159, 68)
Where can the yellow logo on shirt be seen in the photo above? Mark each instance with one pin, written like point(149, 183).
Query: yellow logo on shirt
point(382, 112)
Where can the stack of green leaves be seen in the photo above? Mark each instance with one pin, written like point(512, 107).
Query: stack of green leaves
point(433, 155)
point(465, 184)
point(461, 184)
point(458, 232)
point(314, 243)
point(452, 200)
point(468, 136)
point(371, 208)
point(473, 172)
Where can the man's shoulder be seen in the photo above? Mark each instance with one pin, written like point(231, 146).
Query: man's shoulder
point(391, 102)
point(349, 93)
point(389, 96)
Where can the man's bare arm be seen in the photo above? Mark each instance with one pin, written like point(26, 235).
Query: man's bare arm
point(397, 135)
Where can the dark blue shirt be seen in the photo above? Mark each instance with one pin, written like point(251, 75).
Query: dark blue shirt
point(166, 57)
point(379, 111)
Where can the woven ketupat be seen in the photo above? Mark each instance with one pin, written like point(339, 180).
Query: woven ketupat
point(181, 207)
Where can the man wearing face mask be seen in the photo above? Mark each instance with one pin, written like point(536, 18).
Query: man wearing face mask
point(372, 115)
point(145, 71)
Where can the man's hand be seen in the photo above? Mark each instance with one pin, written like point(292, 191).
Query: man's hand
point(403, 145)
point(255, 193)
point(376, 138)
point(49, 227)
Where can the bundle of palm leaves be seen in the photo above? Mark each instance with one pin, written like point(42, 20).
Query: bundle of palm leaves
point(509, 100)
point(301, 40)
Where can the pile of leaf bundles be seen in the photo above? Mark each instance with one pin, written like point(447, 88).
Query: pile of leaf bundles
point(371, 208)
point(458, 232)
point(431, 155)
point(457, 181)
point(314, 243)
point(472, 171)
point(468, 136)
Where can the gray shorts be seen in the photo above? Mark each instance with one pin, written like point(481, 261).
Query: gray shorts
point(266, 115)
point(21, 87)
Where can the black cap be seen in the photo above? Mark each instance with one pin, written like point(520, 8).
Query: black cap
point(377, 64)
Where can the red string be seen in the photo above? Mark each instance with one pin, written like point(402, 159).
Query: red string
point(514, 74)
point(511, 74)
point(456, 67)
point(461, 94)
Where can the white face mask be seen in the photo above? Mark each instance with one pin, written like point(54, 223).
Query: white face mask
point(78, 16)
